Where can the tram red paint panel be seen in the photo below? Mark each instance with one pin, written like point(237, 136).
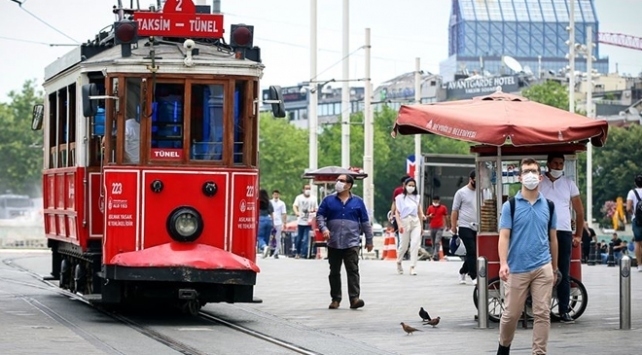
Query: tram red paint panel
point(96, 216)
point(244, 211)
point(175, 254)
point(62, 226)
point(70, 194)
point(121, 212)
point(50, 195)
point(60, 191)
point(184, 188)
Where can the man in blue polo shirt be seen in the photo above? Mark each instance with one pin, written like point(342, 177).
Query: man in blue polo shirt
point(528, 259)
point(342, 217)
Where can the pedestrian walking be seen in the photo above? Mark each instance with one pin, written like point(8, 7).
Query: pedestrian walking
point(566, 197)
point(463, 221)
point(341, 217)
point(409, 216)
point(280, 219)
point(528, 258)
point(437, 214)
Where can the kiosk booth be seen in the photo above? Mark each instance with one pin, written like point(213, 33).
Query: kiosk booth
point(503, 129)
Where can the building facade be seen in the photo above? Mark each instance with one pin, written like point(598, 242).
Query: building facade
point(534, 32)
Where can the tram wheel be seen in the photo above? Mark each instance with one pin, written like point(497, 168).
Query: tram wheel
point(65, 274)
point(191, 307)
point(79, 279)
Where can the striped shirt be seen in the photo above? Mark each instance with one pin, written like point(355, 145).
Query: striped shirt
point(345, 221)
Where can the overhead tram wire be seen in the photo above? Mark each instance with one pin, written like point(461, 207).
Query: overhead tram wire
point(37, 42)
point(41, 20)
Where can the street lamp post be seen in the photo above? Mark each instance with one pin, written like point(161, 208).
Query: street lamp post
point(587, 52)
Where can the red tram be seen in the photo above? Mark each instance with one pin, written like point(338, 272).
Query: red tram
point(161, 204)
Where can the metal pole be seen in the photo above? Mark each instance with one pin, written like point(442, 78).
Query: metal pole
point(312, 91)
point(590, 114)
point(418, 157)
point(345, 91)
point(216, 7)
point(571, 58)
point(539, 67)
point(482, 289)
point(368, 134)
point(625, 292)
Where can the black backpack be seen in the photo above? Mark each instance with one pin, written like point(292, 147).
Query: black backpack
point(638, 210)
point(551, 210)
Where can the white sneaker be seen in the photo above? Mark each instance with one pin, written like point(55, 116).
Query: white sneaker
point(412, 271)
point(399, 268)
point(462, 279)
point(266, 250)
point(475, 282)
point(639, 269)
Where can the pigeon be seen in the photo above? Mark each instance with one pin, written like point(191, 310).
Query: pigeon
point(408, 329)
point(433, 322)
point(424, 315)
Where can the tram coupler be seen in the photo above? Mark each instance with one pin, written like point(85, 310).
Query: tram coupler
point(187, 294)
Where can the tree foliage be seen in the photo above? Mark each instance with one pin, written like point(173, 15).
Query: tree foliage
point(20, 147)
point(550, 93)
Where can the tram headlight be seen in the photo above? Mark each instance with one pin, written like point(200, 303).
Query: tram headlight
point(185, 224)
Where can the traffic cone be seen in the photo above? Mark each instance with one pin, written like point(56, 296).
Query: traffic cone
point(389, 247)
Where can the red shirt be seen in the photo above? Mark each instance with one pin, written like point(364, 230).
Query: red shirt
point(438, 213)
point(398, 191)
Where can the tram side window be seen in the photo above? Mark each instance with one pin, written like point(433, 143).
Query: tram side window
point(207, 121)
point(167, 118)
point(97, 125)
point(53, 130)
point(132, 122)
point(239, 114)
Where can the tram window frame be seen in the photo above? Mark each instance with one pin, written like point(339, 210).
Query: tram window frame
point(95, 146)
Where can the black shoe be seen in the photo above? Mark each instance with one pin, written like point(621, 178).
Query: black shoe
point(566, 318)
point(503, 350)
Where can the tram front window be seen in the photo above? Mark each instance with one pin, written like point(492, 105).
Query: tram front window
point(167, 121)
point(132, 122)
point(207, 122)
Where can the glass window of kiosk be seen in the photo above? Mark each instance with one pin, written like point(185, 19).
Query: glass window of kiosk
point(509, 182)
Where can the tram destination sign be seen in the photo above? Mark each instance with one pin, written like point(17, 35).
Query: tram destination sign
point(179, 19)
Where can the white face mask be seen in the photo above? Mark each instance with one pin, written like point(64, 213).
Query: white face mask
point(306, 192)
point(530, 181)
point(410, 189)
point(339, 186)
point(556, 173)
point(436, 204)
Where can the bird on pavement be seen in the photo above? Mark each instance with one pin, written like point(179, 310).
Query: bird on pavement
point(433, 322)
point(408, 329)
point(424, 315)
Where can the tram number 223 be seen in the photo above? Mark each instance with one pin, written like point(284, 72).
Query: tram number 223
point(116, 188)
point(249, 191)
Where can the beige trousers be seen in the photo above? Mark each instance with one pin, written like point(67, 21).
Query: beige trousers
point(540, 284)
point(411, 236)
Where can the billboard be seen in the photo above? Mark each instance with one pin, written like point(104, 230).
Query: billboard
point(469, 88)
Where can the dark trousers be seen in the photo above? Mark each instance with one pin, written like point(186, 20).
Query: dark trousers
point(564, 245)
point(302, 240)
point(469, 237)
point(586, 249)
point(350, 258)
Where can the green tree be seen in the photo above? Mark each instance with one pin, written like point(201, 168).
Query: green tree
point(283, 156)
point(20, 147)
point(550, 93)
point(615, 165)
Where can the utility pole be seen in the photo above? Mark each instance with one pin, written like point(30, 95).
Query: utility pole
point(312, 91)
point(345, 91)
point(590, 114)
point(418, 156)
point(368, 134)
point(571, 58)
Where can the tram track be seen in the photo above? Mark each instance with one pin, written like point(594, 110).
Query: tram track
point(142, 329)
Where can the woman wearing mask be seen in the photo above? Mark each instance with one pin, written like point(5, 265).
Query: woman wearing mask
point(266, 222)
point(409, 215)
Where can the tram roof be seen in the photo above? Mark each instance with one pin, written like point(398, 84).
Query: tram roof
point(170, 57)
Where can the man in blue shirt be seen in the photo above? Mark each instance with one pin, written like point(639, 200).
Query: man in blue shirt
point(528, 259)
point(342, 217)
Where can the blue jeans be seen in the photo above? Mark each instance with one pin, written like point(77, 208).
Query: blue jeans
point(265, 229)
point(302, 240)
point(564, 245)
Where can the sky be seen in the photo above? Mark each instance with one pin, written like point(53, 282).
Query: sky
point(401, 31)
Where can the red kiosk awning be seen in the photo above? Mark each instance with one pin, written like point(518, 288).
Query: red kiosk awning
point(500, 119)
